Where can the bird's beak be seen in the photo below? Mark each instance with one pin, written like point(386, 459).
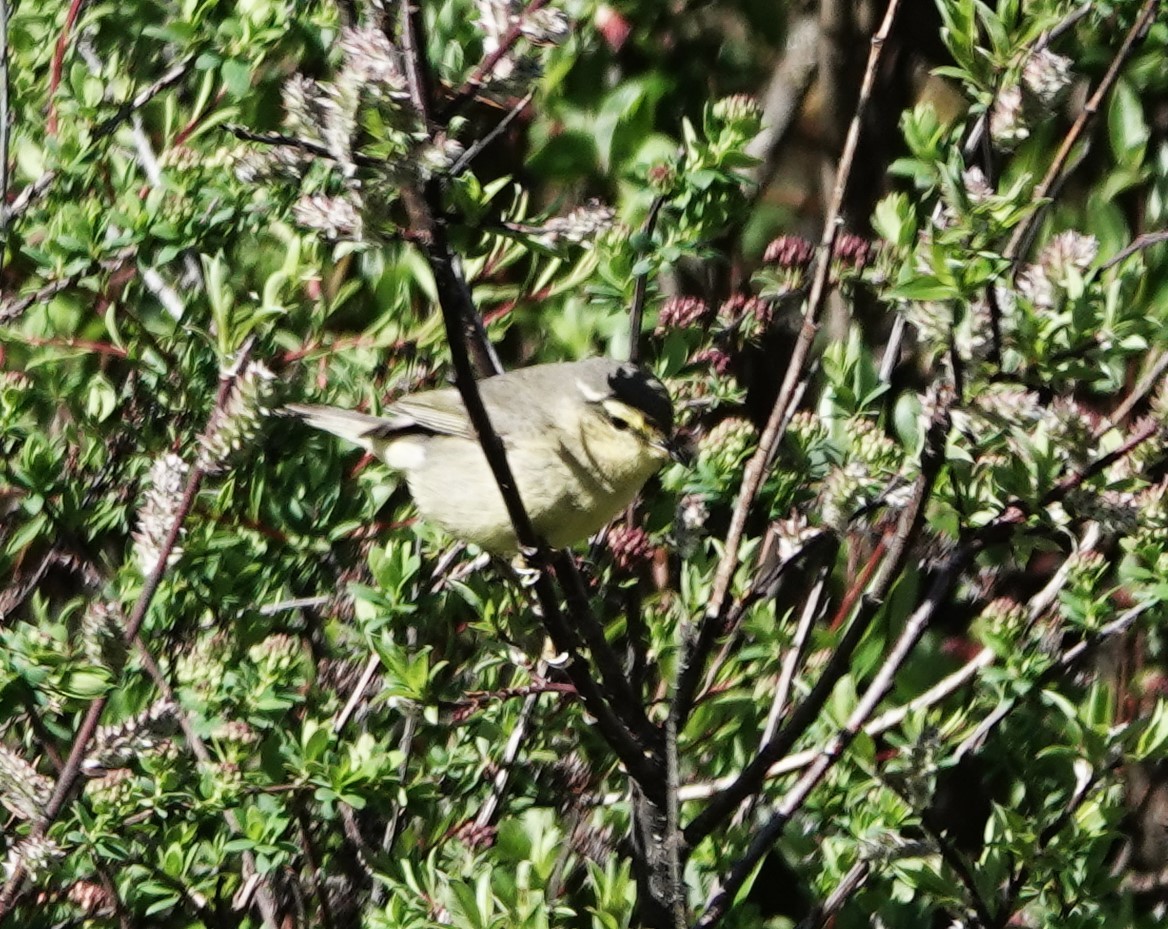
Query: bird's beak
point(678, 449)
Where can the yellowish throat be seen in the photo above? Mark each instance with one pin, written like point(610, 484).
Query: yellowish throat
point(581, 439)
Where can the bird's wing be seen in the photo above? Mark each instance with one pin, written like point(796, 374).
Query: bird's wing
point(436, 411)
point(348, 424)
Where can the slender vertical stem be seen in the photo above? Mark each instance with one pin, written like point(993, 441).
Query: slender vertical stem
point(5, 127)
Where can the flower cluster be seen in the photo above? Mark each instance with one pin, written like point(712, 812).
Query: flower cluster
point(337, 219)
point(682, 313)
point(236, 425)
point(102, 635)
point(159, 510)
point(118, 745)
point(23, 791)
point(38, 856)
point(1021, 104)
point(630, 547)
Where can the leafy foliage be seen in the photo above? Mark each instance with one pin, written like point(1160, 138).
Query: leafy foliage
point(915, 675)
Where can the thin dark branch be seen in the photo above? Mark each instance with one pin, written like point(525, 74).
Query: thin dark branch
point(414, 53)
point(637, 311)
point(145, 95)
point(312, 860)
point(454, 301)
point(34, 191)
point(1141, 242)
point(616, 684)
point(12, 309)
point(851, 882)
point(302, 145)
point(5, 126)
point(1020, 876)
point(621, 719)
point(1067, 660)
point(695, 648)
point(673, 839)
point(1145, 384)
point(959, 866)
point(908, 528)
point(473, 152)
point(1017, 511)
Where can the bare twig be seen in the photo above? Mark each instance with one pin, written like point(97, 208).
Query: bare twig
point(30, 195)
point(307, 146)
point(1141, 242)
point(12, 309)
point(909, 525)
point(473, 152)
point(486, 814)
point(795, 651)
point(672, 838)
point(1143, 387)
point(371, 667)
point(1066, 660)
point(413, 54)
point(856, 877)
point(34, 191)
point(5, 126)
point(889, 719)
point(312, 859)
point(172, 76)
point(695, 648)
point(637, 310)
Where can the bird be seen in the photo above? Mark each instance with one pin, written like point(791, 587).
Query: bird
point(581, 438)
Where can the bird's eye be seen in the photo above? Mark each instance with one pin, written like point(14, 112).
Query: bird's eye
point(618, 423)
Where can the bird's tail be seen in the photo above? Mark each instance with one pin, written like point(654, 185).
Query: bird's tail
point(349, 425)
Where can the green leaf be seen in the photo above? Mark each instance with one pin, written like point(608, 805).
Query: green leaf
point(1127, 130)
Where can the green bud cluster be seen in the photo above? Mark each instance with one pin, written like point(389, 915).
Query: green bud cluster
point(277, 656)
point(725, 446)
point(236, 425)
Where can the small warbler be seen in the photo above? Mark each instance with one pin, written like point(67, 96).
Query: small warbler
point(581, 438)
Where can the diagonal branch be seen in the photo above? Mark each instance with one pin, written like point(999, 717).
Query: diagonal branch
point(911, 520)
point(695, 649)
point(1025, 229)
point(70, 773)
point(764, 839)
point(482, 73)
